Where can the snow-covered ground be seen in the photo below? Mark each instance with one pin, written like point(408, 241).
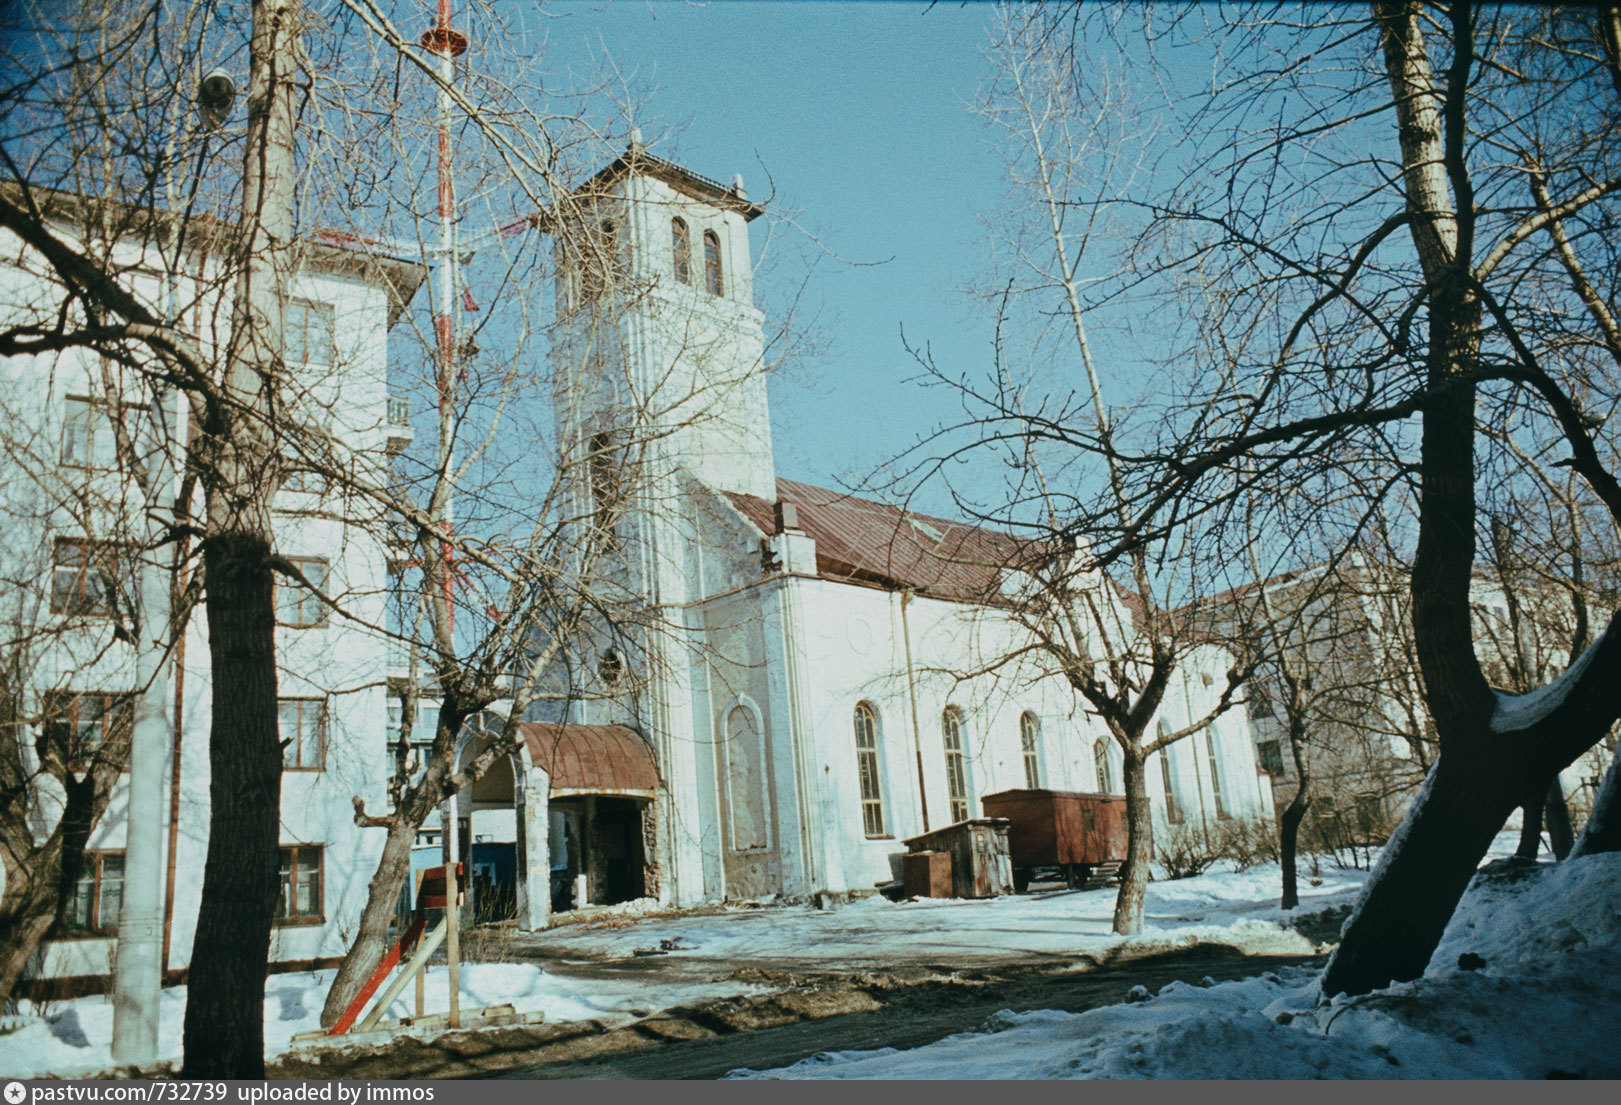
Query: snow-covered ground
point(1173, 1034)
point(1544, 1003)
point(1230, 908)
point(73, 1037)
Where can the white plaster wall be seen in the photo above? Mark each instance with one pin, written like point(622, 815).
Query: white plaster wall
point(340, 662)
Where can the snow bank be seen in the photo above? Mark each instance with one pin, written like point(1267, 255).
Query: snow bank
point(74, 1037)
point(1543, 1003)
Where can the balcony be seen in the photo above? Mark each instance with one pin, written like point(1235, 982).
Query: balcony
point(400, 433)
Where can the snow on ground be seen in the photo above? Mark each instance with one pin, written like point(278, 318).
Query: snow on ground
point(73, 1037)
point(1544, 1003)
point(1230, 908)
point(1233, 908)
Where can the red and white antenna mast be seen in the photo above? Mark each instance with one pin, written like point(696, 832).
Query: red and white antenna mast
point(446, 44)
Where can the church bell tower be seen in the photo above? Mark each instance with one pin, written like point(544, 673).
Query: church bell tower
point(658, 344)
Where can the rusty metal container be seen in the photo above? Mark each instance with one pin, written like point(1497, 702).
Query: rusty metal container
point(1055, 828)
point(978, 849)
point(926, 875)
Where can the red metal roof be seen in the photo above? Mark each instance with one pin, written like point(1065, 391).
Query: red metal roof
point(606, 759)
point(878, 545)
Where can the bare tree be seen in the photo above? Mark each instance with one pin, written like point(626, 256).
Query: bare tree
point(1067, 132)
point(1391, 274)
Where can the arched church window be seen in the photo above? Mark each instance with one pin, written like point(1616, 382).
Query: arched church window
point(1215, 775)
point(681, 247)
point(712, 279)
point(956, 763)
point(1029, 735)
point(745, 782)
point(872, 791)
point(1100, 757)
point(1173, 801)
point(611, 668)
point(606, 492)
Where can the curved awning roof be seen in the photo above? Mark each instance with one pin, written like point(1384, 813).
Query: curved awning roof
point(592, 759)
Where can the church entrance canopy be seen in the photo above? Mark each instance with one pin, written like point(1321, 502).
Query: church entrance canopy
point(592, 759)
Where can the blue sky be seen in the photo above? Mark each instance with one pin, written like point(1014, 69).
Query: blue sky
point(858, 112)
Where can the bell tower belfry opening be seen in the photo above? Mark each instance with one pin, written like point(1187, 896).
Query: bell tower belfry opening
point(658, 347)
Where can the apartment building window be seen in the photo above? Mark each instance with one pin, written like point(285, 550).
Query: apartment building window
point(302, 724)
point(872, 792)
point(296, 605)
point(309, 332)
point(88, 438)
point(423, 730)
point(956, 763)
point(97, 895)
point(86, 576)
point(1029, 737)
point(79, 724)
point(299, 901)
point(303, 480)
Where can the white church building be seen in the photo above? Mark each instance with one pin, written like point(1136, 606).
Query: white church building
point(794, 709)
point(803, 710)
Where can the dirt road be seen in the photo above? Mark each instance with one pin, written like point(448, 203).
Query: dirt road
point(863, 1011)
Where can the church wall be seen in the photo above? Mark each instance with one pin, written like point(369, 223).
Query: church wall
point(855, 647)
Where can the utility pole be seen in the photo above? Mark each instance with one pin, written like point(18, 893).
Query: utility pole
point(138, 971)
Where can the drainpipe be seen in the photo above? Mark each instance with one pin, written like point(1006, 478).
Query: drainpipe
point(911, 691)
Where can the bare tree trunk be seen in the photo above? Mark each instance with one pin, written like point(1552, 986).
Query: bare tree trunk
point(371, 939)
point(224, 1026)
point(1530, 845)
point(28, 915)
point(1556, 815)
point(1289, 823)
point(1470, 792)
point(1288, 842)
point(1128, 904)
point(39, 876)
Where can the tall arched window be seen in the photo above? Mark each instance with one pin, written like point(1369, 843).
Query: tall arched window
point(745, 781)
point(1173, 802)
point(956, 763)
point(1029, 735)
point(712, 280)
point(1100, 757)
point(681, 246)
point(1215, 775)
point(872, 791)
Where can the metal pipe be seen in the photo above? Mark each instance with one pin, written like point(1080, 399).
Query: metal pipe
point(911, 690)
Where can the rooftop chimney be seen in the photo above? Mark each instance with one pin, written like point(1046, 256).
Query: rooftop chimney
point(786, 515)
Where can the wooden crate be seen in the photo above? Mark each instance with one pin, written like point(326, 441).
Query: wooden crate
point(926, 875)
point(979, 855)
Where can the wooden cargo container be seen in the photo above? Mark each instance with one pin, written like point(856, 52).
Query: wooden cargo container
point(1077, 833)
point(979, 855)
